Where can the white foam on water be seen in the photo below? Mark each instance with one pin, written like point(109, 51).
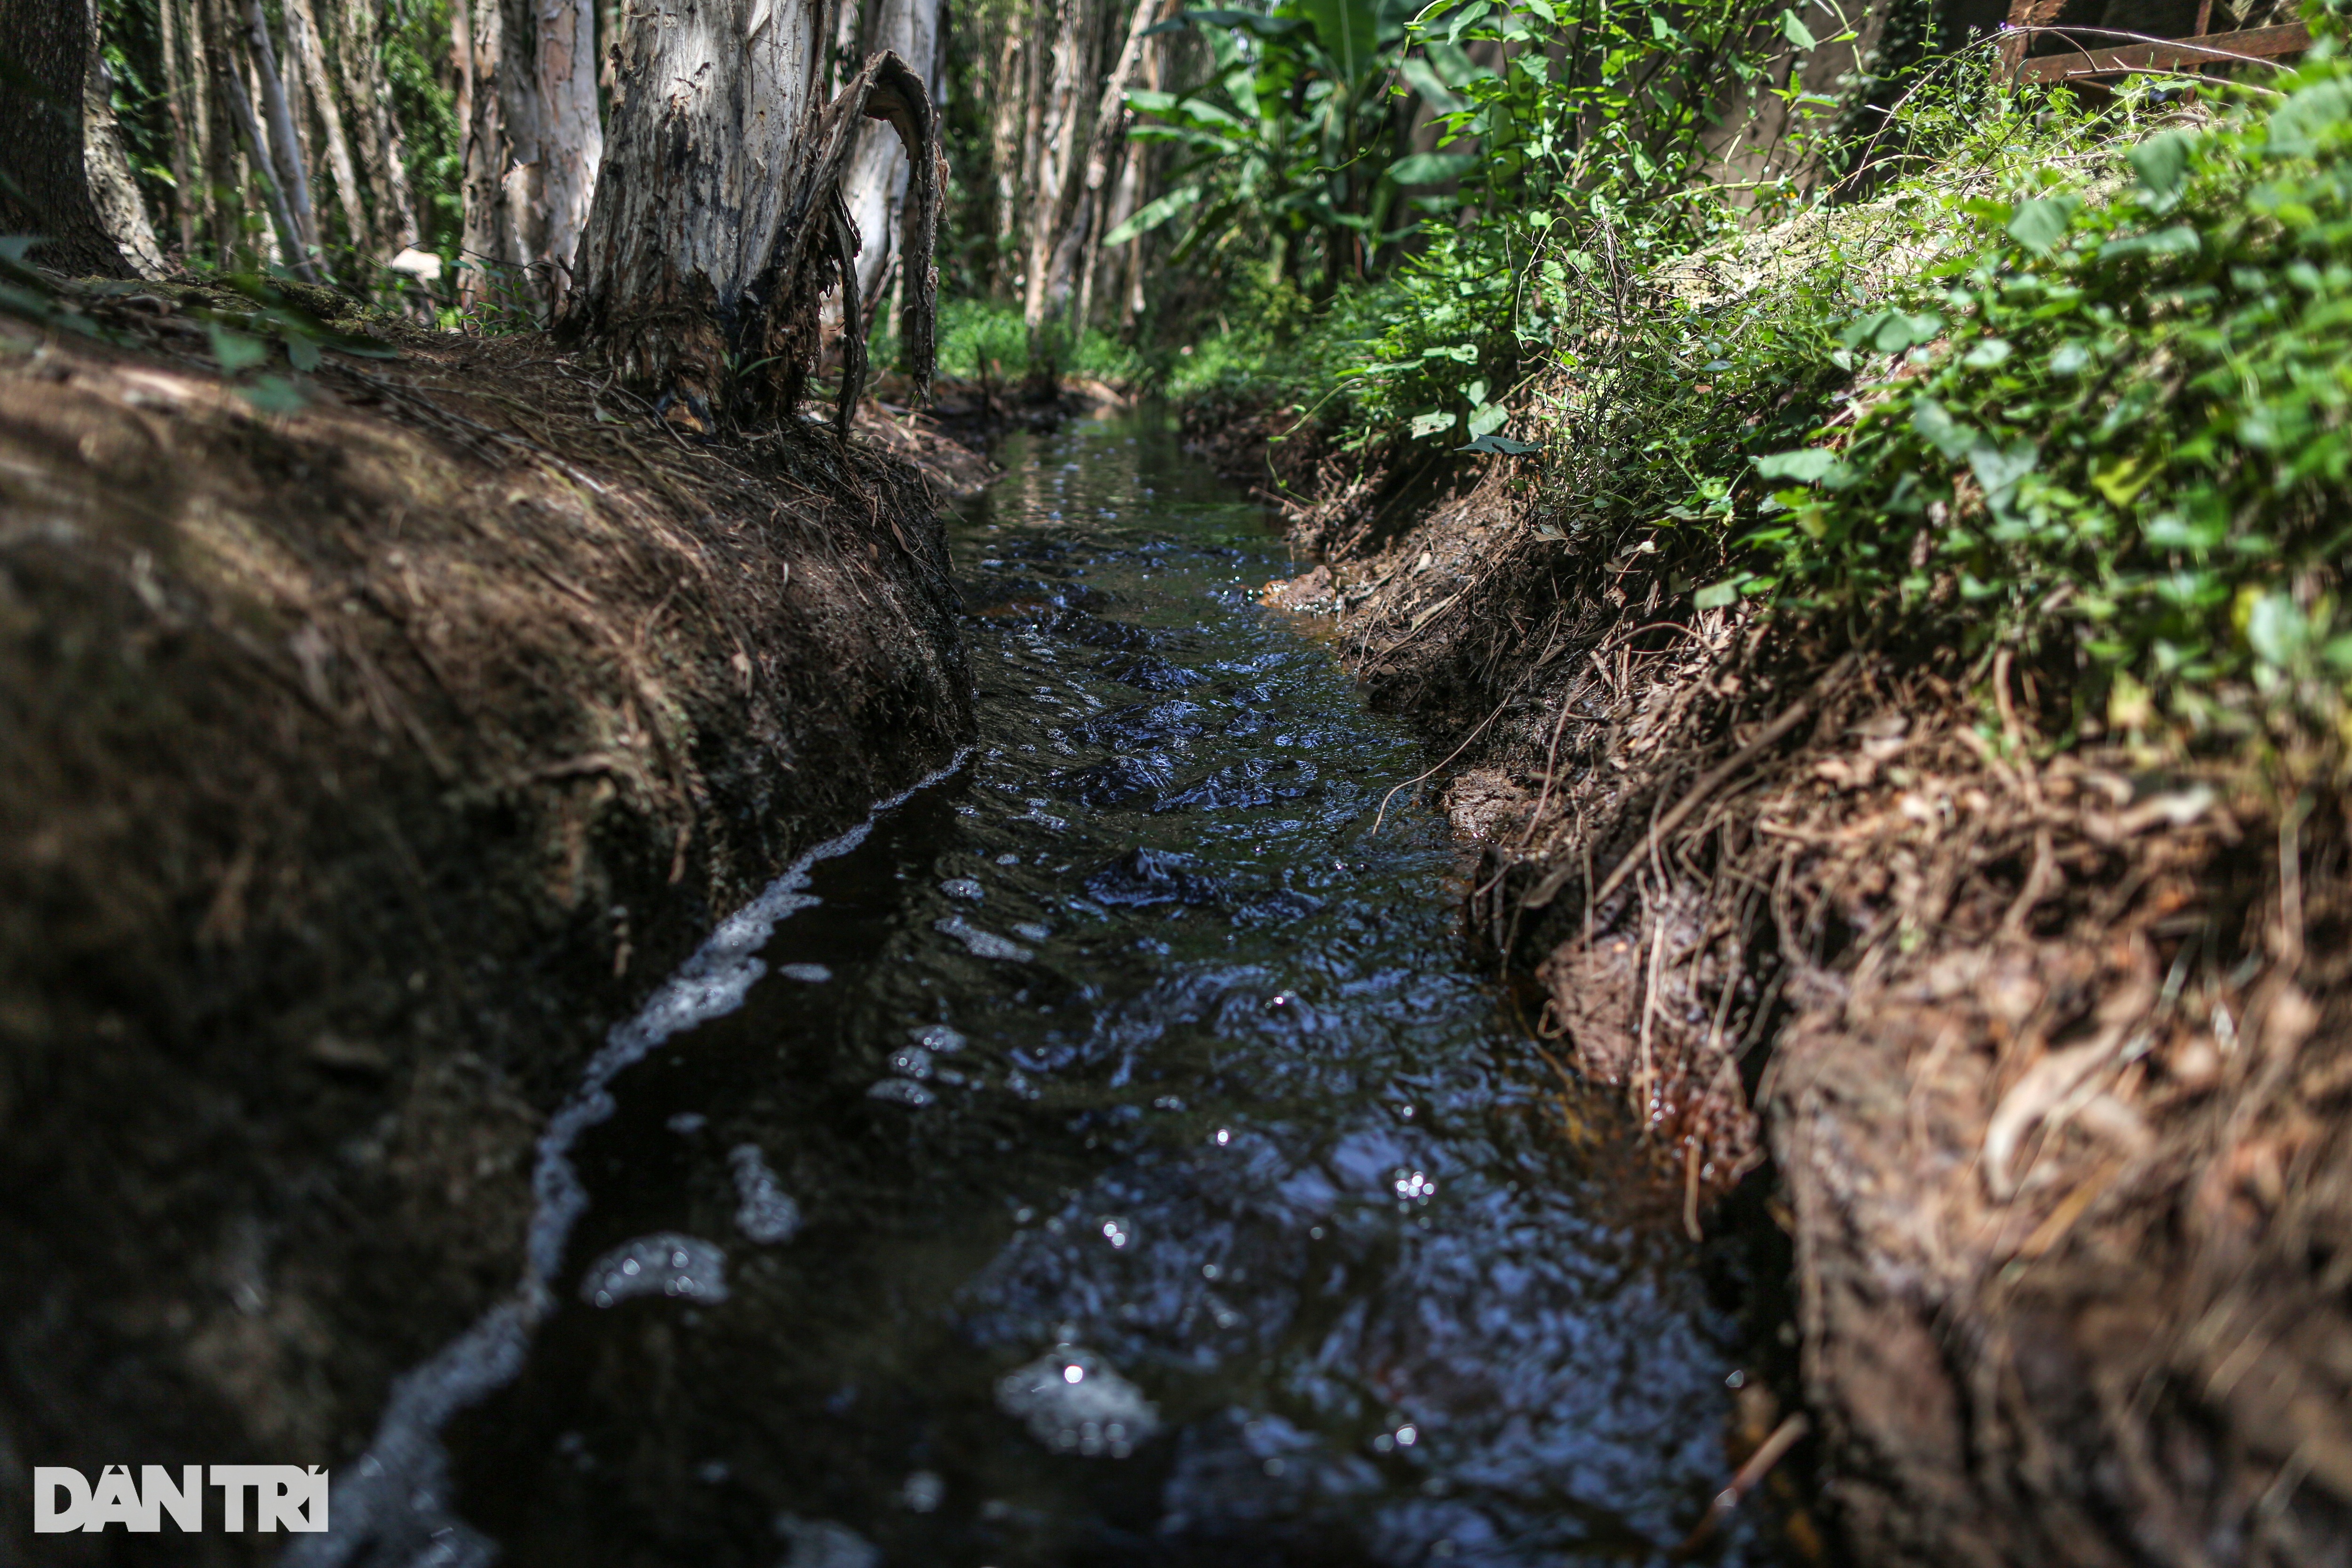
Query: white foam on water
point(1075, 1401)
point(823, 1543)
point(764, 1211)
point(391, 1506)
point(684, 1268)
point(983, 944)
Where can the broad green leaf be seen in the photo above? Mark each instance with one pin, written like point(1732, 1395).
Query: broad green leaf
point(234, 351)
point(2179, 240)
point(1152, 214)
point(1423, 78)
point(302, 353)
point(2276, 630)
point(274, 394)
point(1469, 17)
point(1475, 391)
point(1431, 168)
point(2040, 222)
point(1715, 595)
point(2122, 481)
point(1809, 465)
point(1455, 67)
point(1941, 430)
point(1488, 419)
point(1999, 468)
point(1504, 447)
point(1793, 28)
point(1349, 30)
point(2162, 162)
point(1891, 331)
point(2314, 116)
point(1431, 423)
point(1987, 353)
point(1256, 21)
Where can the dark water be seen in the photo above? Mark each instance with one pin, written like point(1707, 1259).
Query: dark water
point(1115, 1164)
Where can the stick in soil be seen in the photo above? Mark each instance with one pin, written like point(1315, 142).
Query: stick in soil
point(1749, 1477)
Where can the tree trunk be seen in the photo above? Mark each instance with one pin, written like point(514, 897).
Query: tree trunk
point(1037, 50)
point(241, 97)
point(1006, 125)
point(359, 50)
point(121, 210)
point(285, 150)
point(1052, 195)
point(212, 60)
point(307, 52)
point(41, 105)
point(573, 143)
point(501, 134)
point(718, 221)
point(169, 29)
point(532, 141)
point(1109, 126)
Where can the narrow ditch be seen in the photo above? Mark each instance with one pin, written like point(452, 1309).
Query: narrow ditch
point(1105, 1157)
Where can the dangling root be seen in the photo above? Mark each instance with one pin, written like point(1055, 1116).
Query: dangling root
point(817, 243)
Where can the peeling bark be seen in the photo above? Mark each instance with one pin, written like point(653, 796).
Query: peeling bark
point(532, 144)
point(359, 47)
point(121, 210)
point(717, 221)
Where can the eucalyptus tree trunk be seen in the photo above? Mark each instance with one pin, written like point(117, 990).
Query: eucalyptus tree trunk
point(122, 211)
point(286, 160)
point(1052, 194)
point(307, 54)
point(48, 190)
point(1007, 119)
point(718, 219)
point(1079, 216)
point(532, 139)
point(359, 49)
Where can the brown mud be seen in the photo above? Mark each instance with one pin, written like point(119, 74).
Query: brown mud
point(2045, 1051)
point(363, 762)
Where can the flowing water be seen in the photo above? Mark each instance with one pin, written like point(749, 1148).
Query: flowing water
point(1112, 1164)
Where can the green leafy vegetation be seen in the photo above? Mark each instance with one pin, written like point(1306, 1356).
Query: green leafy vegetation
point(2071, 381)
point(984, 342)
point(2102, 420)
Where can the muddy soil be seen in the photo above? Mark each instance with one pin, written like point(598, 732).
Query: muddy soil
point(2044, 1051)
point(363, 759)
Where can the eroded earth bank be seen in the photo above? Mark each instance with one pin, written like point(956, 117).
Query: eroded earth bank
point(2042, 1047)
point(375, 734)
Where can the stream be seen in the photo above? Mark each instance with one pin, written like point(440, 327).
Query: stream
point(1102, 1158)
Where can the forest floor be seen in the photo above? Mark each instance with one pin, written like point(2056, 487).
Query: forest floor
point(377, 730)
point(2047, 1053)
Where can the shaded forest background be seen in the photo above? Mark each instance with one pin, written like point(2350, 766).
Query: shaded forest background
point(1130, 169)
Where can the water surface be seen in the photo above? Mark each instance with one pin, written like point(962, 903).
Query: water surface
point(1115, 1164)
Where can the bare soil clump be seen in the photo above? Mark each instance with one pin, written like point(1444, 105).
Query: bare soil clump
point(2046, 1050)
point(364, 760)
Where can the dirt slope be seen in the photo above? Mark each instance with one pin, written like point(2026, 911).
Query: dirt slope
point(2049, 1048)
point(361, 762)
